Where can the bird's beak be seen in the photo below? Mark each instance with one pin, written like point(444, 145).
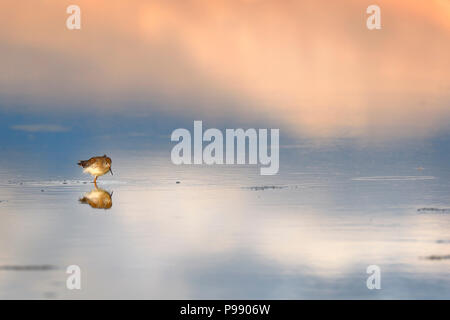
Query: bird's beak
point(110, 171)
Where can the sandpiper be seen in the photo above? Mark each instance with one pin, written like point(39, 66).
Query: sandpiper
point(96, 166)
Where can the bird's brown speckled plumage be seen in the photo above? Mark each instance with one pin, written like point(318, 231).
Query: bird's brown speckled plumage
point(96, 166)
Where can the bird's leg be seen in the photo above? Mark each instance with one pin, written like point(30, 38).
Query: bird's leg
point(95, 181)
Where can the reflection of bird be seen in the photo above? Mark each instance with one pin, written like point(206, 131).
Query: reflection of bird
point(98, 199)
point(96, 166)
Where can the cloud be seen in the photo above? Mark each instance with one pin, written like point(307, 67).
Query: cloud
point(40, 128)
point(314, 67)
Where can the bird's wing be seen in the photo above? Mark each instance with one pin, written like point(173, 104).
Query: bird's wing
point(88, 163)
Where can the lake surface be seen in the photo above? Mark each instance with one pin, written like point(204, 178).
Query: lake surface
point(225, 232)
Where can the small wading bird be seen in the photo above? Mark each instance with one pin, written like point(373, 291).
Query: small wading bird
point(96, 166)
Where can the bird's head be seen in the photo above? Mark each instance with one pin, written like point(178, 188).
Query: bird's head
point(108, 162)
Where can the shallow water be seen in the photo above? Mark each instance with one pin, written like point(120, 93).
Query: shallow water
point(225, 232)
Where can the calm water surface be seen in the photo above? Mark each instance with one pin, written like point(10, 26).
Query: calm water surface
point(225, 232)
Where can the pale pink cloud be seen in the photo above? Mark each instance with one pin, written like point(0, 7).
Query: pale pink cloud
point(313, 65)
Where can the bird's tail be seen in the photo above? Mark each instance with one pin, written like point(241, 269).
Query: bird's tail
point(83, 200)
point(82, 163)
